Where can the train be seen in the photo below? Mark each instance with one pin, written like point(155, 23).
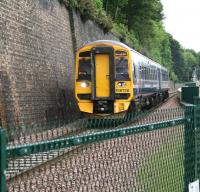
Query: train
point(111, 78)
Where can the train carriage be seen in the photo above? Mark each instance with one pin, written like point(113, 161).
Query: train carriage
point(112, 78)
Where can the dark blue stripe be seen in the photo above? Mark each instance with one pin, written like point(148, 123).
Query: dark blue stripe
point(145, 90)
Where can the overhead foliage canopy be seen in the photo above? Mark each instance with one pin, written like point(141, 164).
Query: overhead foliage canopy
point(138, 23)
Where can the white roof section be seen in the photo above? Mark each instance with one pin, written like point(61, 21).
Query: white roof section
point(109, 41)
point(127, 47)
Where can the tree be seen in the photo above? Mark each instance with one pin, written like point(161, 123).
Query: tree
point(115, 8)
point(138, 23)
point(178, 59)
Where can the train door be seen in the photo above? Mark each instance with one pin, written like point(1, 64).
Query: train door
point(103, 73)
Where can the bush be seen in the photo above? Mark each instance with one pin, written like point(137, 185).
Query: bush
point(104, 20)
point(128, 37)
point(90, 10)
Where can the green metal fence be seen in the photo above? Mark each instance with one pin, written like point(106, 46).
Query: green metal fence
point(157, 153)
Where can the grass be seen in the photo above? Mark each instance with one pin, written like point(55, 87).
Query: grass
point(163, 171)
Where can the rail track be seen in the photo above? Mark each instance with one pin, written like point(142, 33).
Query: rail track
point(146, 115)
point(18, 166)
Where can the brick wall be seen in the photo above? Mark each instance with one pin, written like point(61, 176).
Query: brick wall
point(37, 59)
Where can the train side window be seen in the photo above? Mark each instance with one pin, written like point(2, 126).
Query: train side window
point(134, 70)
point(153, 74)
point(146, 73)
point(143, 72)
point(163, 75)
point(121, 69)
point(84, 70)
point(166, 76)
point(150, 74)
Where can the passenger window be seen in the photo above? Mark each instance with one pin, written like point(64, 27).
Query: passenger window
point(84, 71)
point(143, 73)
point(148, 75)
point(121, 69)
point(153, 74)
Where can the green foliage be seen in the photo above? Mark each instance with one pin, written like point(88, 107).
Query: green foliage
point(190, 61)
point(173, 76)
point(91, 9)
point(141, 13)
point(177, 58)
point(154, 42)
point(126, 36)
point(138, 23)
point(70, 3)
point(87, 8)
point(183, 60)
point(115, 8)
point(104, 20)
point(98, 4)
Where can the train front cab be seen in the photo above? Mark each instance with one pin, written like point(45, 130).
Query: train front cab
point(103, 79)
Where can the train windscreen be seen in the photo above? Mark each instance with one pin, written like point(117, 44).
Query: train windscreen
point(84, 71)
point(121, 69)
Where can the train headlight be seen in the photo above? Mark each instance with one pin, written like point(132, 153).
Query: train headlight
point(121, 84)
point(84, 84)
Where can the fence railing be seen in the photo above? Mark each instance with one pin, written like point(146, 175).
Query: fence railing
point(155, 154)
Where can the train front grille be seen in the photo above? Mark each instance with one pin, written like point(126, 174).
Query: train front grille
point(103, 107)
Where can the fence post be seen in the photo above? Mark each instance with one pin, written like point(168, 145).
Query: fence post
point(189, 146)
point(2, 160)
point(197, 136)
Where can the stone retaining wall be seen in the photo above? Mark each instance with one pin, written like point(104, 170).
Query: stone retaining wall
point(38, 39)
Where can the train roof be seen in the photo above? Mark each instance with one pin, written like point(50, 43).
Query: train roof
point(125, 46)
point(109, 41)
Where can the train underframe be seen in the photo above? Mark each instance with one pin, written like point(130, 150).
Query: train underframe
point(146, 101)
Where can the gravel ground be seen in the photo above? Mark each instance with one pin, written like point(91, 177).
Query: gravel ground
point(170, 109)
point(172, 103)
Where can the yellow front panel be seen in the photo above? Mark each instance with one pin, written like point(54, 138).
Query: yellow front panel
point(102, 75)
point(86, 107)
